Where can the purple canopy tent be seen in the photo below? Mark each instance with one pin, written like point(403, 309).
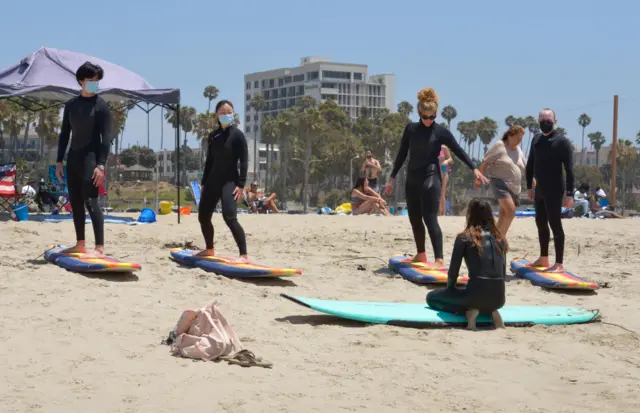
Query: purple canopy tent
point(49, 74)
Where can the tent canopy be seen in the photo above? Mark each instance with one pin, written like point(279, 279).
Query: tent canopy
point(50, 74)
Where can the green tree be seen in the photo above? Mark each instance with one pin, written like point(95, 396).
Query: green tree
point(597, 139)
point(626, 158)
point(204, 125)
point(269, 131)
point(140, 155)
point(583, 120)
point(449, 113)
point(48, 129)
point(309, 129)
point(638, 138)
point(533, 127)
point(405, 108)
point(258, 103)
point(487, 130)
point(210, 93)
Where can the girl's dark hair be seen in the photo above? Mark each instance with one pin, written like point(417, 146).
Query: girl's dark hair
point(359, 183)
point(479, 219)
point(512, 131)
point(88, 71)
point(222, 103)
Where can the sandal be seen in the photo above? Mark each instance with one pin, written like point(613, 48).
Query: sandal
point(246, 358)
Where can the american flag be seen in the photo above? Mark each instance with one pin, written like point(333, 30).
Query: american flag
point(8, 179)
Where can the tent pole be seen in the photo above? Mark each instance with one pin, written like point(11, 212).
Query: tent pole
point(148, 134)
point(178, 156)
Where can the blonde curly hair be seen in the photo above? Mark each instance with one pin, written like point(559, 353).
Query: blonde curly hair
point(428, 100)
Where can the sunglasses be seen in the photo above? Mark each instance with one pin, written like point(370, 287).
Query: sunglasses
point(424, 117)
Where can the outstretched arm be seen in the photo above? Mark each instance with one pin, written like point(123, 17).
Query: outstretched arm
point(106, 133)
point(208, 162)
point(450, 141)
point(456, 261)
point(530, 162)
point(242, 155)
point(567, 162)
point(65, 133)
point(402, 152)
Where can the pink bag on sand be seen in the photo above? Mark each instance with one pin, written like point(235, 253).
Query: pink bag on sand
point(204, 334)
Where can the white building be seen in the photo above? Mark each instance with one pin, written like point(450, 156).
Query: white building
point(348, 84)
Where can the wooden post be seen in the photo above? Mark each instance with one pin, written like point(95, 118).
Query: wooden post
point(614, 152)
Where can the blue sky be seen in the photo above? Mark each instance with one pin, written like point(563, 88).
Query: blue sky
point(491, 58)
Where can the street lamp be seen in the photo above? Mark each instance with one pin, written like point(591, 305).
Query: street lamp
point(351, 169)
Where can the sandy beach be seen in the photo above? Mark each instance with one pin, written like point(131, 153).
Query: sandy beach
point(71, 343)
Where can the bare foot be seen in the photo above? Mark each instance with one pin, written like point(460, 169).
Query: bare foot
point(439, 263)
point(497, 320)
point(541, 262)
point(471, 318)
point(555, 268)
point(205, 253)
point(79, 248)
point(243, 259)
point(419, 257)
point(95, 254)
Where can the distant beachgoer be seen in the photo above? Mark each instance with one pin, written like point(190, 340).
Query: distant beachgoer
point(258, 202)
point(504, 163)
point(371, 168)
point(581, 199)
point(365, 200)
point(483, 249)
point(446, 160)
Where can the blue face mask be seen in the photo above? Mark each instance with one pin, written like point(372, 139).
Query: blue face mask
point(91, 86)
point(225, 120)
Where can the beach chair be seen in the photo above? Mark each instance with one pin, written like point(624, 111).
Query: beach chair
point(9, 195)
point(60, 188)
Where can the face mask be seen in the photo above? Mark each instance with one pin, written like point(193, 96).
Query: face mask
point(225, 119)
point(91, 87)
point(546, 126)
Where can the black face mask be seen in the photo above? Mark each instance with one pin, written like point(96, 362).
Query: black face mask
point(546, 126)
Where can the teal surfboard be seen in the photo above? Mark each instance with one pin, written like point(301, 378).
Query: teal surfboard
point(420, 315)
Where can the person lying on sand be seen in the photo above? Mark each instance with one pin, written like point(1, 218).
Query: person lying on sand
point(365, 200)
point(484, 251)
point(258, 202)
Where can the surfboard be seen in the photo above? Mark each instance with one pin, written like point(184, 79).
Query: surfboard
point(225, 266)
point(566, 280)
point(421, 273)
point(79, 262)
point(420, 315)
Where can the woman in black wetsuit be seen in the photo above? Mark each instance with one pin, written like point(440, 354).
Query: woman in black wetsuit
point(222, 181)
point(424, 140)
point(484, 251)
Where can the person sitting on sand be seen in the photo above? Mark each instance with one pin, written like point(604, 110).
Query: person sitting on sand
point(581, 199)
point(365, 200)
point(600, 211)
point(258, 202)
point(484, 251)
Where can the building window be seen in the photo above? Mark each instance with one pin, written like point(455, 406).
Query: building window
point(274, 94)
point(329, 85)
point(247, 97)
point(358, 76)
point(256, 84)
point(255, 128)
point(265, 94)
point(272, 82)
point(247, 85)
point(247, 129)
point(292, 91)
point(299, 78)
point(313, 75)
point(283, 92)
point(332, 74)
point(301, 90)
point(264, 83)
point(280, 81)
point(247, 118)
point(255, 118)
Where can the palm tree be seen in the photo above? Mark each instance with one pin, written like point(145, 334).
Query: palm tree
point(626, 157)
point(270, 131)
point(47, 129)
point(533, 127)
point(204, 124)
point(597, 139)
point(583, 120)
point(405, 108)
point(188, 116)
point(637, 136)
point(210, 93)
point(258, 103)
point(472, 136)
point(487, 130)
point(462, 128)
point(310, 124)
point(13, 123)
point(449, 113)
point(4, 109)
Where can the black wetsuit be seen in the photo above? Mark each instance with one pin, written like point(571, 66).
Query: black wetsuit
point(548, 155)
point(227, 147)
point(485, 290)
point(89, 120)
point(424, 181)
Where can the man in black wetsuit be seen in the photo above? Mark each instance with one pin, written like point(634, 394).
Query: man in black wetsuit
point(222, 181)
point(550, 152)
point(88, 118)
point(423, 140)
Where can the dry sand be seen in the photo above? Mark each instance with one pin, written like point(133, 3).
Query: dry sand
point(71, 343)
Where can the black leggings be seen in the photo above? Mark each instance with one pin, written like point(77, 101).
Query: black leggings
point(423, 201)
point(483, 294)
point(83, 193)
point(211, 194)
point(549, 214)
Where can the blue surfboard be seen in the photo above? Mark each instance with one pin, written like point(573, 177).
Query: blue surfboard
point(420, 315)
